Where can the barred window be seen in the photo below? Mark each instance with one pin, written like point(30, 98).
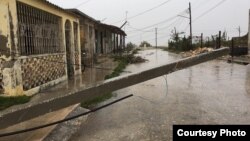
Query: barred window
point(39, 31)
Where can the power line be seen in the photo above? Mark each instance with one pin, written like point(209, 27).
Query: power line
point(64, 120)
point(138, 29)
point(178, 22)
point(85, 2)
point(146, 11)
point(209, 10)
point(161, 22)
point(202, 4)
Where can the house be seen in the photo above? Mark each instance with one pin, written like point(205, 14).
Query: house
point(98, 38)
point(39, 46)
point(109, 39)
point(87, 37)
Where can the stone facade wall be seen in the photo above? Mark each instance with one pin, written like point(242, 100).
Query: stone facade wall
point(37, 71)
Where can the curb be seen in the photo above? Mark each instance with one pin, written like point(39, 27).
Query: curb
point(64, 131)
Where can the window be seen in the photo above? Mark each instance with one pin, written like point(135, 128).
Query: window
point(39, 31)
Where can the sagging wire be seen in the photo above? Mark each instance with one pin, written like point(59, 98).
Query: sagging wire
point(64, 120)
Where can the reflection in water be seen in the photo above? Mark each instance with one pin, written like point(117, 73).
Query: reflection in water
point(231, 70)
point(156, 55)
point(166, 80)
point(217, 72)
point(156, 102)
point(190, 78)
point(248, 80)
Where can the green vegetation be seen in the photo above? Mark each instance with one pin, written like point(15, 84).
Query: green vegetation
point(145, 43)
point(130, 46)
point(178, 44)
point(136, 51)
point(123, 62)
point(97, 100)
point(6, 102)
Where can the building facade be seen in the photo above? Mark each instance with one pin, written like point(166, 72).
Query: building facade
point(249, 32)
point(87, 37)
point(39, 46)
point(109, 39)
point(98, 38)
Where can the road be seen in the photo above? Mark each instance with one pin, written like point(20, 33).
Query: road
point(210, 93)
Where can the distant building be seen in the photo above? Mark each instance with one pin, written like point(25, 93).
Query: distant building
point(98, 38)
point(39, 43)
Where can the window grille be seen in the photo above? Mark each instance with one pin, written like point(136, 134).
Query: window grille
point(39, 31)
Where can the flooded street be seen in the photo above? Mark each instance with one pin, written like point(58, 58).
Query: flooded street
point(210, 93)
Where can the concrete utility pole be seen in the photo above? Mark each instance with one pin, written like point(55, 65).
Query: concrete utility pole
point(201, 40)
point(156, 33)
point(190, 18)
point(219, 46)
point(239, 30)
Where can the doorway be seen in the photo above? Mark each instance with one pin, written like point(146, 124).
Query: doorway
point(70, 63)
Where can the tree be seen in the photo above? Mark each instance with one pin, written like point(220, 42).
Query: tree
point(177, 43)
point(130, 46)
point(145, 43)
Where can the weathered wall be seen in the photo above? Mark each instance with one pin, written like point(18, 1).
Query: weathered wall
point(9, 48)
point(40, 70)
point(87, 41)
point(19, 74)
point(249, 32)
point(8, 30)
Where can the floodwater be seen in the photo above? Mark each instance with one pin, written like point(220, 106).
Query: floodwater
point(214, 92)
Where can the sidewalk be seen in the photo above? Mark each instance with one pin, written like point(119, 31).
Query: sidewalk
point(91, 76)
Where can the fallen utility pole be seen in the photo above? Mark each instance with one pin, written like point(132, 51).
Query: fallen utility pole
point(77, 95)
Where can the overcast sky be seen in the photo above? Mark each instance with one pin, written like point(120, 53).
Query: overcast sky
point(229, 15)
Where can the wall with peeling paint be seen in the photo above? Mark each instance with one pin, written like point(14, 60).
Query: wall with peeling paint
point(15, 69)
point(249, 32)
point(87, 40)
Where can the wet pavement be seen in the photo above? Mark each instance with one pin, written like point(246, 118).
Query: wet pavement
point(210, 93)
point(91, 76)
